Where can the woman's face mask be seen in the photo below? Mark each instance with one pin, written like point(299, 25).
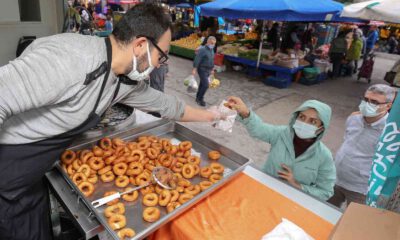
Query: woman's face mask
point(304, 130)
point(140, 76)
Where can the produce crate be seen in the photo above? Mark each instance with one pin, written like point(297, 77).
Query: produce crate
point(283, 75)
point(309, 82)
point(182, 52)
point(277, 82)
point(219, 59)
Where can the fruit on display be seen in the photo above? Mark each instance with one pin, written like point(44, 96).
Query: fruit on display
point(229, 49)
point(190, 42)
point(250, 36)
point(229, 38)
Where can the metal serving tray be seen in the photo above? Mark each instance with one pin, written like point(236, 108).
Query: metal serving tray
point(233, 163)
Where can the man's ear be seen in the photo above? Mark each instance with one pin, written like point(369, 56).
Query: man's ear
point(139, 46)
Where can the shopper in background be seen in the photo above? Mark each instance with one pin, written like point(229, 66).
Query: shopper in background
point(372, 38)
point(354, 53)
point(204, 65)
point(297, 154)
point(109, 23)
point(58, 89)
point(274, 36)
point(354, 158)
point(337, 52)
point(392, 43)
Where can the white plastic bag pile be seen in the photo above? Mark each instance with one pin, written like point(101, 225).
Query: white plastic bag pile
point(228, 120)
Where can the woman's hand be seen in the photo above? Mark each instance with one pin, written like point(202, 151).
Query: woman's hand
point(237, 104)
point(287, 174)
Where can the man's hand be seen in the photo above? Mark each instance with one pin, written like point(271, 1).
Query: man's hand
point(194, 72)
point(237, 104)
point(287, 174)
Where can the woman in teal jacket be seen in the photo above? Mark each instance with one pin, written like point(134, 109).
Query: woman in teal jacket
point(297, 154)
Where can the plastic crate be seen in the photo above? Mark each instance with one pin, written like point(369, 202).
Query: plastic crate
point(219, 59)
point(283, 75)
point(309, 82)
point(254, 72)
point(322, 77)
point(277, 82)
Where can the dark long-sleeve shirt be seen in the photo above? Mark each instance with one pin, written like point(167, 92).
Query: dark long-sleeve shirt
point(204, 59)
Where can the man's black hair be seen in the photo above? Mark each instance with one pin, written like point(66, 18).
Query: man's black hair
point(142, 20)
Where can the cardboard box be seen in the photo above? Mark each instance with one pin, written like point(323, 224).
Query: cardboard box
point(367, 223)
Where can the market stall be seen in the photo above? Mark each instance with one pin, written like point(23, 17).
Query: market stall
point(277, 10)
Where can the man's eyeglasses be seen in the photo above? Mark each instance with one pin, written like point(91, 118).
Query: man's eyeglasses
point(164, 57)
point(372, 101)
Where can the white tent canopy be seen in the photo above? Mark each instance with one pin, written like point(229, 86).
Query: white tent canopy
point(378, 10)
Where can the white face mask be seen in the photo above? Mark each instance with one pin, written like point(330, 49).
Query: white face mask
point(304, 130)
point(140, 76)
point(368, 109)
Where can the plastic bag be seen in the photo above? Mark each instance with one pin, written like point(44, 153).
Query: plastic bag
point(213, 82)
point(191, 83)
point(229, 116)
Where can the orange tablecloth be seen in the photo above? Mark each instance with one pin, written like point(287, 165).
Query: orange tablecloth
point(242, 209)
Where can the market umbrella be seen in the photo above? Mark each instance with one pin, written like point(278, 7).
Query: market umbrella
point(378, 10)
point(277, 10)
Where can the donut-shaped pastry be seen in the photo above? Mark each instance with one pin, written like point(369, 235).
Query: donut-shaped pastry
point(86, 156)
point(165, 159)
point(96, 163)
point(205, 184)
point(134, 168)
point(117, 208)
point(97, 151)
point(205, 172)
point(104, 170)
point(117, 221)
point(122, 181)
point(105, 143)
point(119, 151)
point(217, 168)
point(151, 214)
point(143, 145)
point(86, 188)
point(107, 177)
point(126, 233)
point(137, 154)
point(172, 150)
point(158, 189)
point(180, 189)
point(185, 146)
point(85, 169)
point(130, 197)
point(182, 160)
point(187, 154)
point(107, 153)
point(70, 170)
point(78, 178)
point(68, 156)
point(184, 183)
point(109, 160)
point(118, 142)
point(184, 197)
point(132, 146)
point(188, 171)
point(150, 200)
point(146, 190)
point(142, 179)
point(164, 198)
point(152, 153)
point(93, 179)
point(172, 206)
point(194, 160)
point(177, 168)
point(120, 168)
point(174, 195)
point(156, 145)
point(214, 155)
point(193, 190)
point(76, 164)
point(115, 201)
point(83, 153)
point(142, 139)
point(215, 178)
point(120, 159)
point(196, 169)
point(179, 154)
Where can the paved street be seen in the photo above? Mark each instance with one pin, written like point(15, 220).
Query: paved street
point(272, 104)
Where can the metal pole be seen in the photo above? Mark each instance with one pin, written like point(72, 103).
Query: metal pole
point(261, 44)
